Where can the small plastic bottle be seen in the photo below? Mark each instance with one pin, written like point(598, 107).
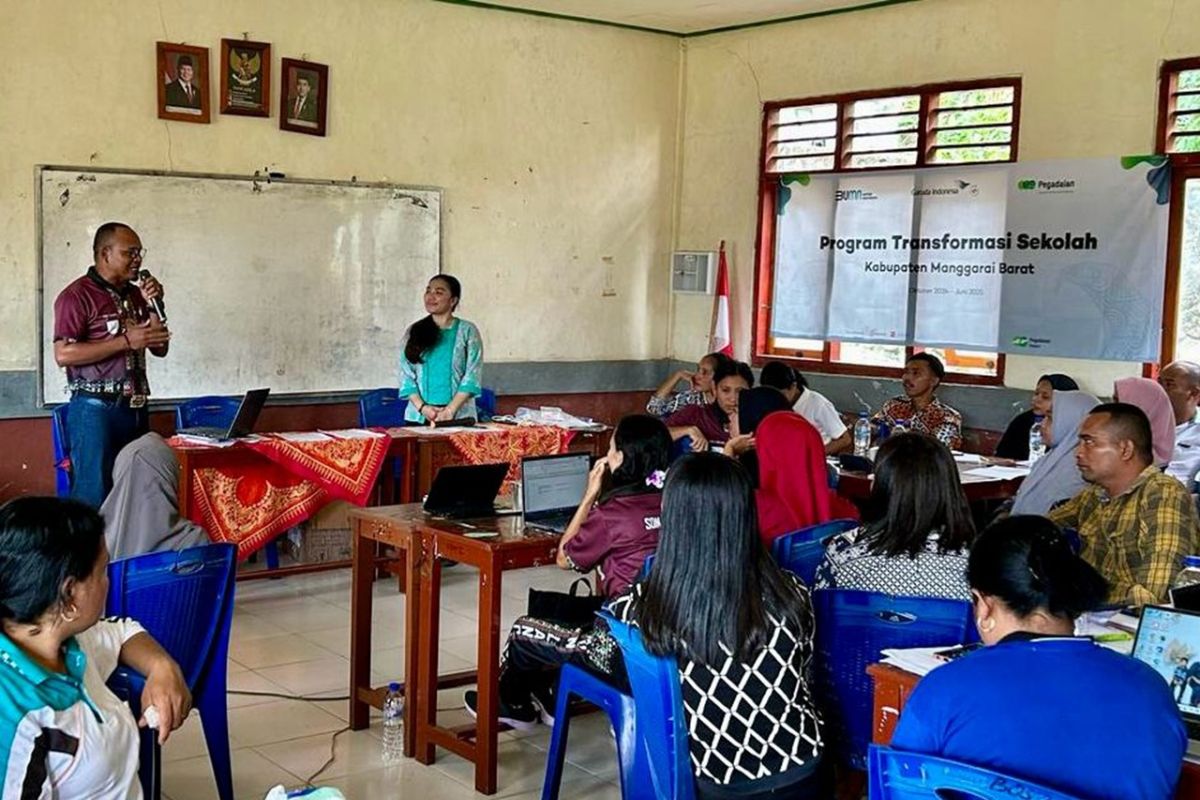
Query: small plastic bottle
point(1190, 574)
point(862, 434)
point(393, 725)
point(1037, 445)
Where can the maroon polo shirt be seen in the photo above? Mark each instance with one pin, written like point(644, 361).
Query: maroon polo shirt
point(616, 537)
point(92, 310)
point(703, 417)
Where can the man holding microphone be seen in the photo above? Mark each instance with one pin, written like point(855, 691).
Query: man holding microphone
point(103, 326)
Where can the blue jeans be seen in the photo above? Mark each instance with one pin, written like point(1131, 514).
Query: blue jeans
point(97, 428)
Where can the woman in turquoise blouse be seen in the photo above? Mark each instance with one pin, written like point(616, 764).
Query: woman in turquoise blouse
point(440, 367)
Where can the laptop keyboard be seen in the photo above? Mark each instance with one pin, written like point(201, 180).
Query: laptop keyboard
point(206, 432)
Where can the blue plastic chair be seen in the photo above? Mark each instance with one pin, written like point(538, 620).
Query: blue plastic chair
point(381, 408)
point(184, 599)
point(649, 724)
point(801, 552)
point(895, 775)
point(853, 627)
point(212, 411)
point(486, 403)
point(62, 451)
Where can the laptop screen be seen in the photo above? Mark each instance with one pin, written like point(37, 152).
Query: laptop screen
point(1168, 639)
point(554, 483)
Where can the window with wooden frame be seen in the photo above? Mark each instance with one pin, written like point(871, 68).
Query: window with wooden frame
point(1179, 137)
point(923, 126)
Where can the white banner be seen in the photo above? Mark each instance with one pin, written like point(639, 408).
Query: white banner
point(1061, 258)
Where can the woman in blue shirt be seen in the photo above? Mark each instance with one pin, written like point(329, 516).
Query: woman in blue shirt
point(440, 367)
point(1038, 702)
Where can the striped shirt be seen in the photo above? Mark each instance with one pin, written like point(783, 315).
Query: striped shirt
point(1137, 540)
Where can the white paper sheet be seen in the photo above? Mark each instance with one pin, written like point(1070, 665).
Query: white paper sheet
point(303, 436)
point(997, 472)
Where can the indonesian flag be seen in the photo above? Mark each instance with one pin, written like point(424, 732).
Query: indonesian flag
point(720, 340)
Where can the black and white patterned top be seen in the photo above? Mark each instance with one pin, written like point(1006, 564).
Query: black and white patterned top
point(749, 720)
point(848, 564)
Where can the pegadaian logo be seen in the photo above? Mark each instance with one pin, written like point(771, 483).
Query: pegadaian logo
point(1020, 341)
point(1043, 186)
point(845, 195)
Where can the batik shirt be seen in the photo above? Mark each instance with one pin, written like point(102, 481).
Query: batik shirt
point(666, 406)
point(753, 719)
point(66, 736)
point(937, 419)
point(850, 564)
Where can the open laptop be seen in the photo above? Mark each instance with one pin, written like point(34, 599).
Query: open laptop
point(243, 422)
point(552, 488)
point(465, 491)
point(1168, 639)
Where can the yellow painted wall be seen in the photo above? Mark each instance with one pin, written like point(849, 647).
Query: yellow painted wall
point(1089, 70)
point(555, 143)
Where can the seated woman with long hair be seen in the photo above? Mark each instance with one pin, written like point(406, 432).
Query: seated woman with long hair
point(714, 423)
point(1038, 702)
point(917, 527)
point(615, 528)
point(613, 531)
point(63, 733)
point(742, 631)
point(793, 486)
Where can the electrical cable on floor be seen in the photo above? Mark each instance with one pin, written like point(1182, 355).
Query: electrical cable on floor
point(308, 784)
point(308, 699)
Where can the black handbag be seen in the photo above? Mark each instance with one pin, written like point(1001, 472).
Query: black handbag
point(567, 609)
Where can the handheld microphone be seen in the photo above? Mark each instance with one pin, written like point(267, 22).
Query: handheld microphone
point(157, 302)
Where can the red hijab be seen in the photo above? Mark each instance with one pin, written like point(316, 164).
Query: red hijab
point(793, 488)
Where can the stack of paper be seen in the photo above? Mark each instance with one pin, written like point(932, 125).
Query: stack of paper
point(998, 472)
point(917, 660)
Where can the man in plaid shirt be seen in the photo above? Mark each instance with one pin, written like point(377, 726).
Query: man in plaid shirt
point(1136, 523)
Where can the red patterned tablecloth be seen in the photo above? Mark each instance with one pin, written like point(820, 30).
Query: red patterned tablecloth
point(253, 504)
point(498, 445)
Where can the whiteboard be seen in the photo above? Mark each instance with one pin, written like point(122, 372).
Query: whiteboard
point(306, 287)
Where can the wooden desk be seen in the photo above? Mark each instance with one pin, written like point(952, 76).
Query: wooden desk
point(893, 687)
point(856, 486)
point(418, 454)
point(421, 541)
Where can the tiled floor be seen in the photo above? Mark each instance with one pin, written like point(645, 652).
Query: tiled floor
point(292, 637)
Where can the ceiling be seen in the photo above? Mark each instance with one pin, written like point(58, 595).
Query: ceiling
point(680, 16)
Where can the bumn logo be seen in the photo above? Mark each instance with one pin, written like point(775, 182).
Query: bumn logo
point(842, 195)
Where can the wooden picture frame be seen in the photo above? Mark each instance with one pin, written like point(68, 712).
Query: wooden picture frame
point(245, 78)
point(303, 96)
point(183, 88)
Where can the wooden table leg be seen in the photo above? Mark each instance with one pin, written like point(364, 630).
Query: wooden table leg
point(362, 578)
point(414, 557)
point(487, 722)
point(185, 484)
point(427, 647)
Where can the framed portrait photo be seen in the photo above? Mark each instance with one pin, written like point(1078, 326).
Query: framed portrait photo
point(245, 78)
point(304, 97)
point(183, 82)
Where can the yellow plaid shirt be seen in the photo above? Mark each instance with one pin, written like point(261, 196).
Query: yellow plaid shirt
point(1137, 540)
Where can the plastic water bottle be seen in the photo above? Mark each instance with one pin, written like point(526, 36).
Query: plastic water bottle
point(393, 725)
point(862, 434)
point(1190, 574)
point(1037, 445)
